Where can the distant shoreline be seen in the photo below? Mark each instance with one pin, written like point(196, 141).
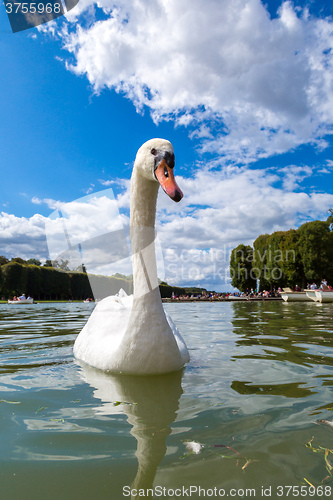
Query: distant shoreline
point(169, 301)
point(223, 299)
point(52, 302)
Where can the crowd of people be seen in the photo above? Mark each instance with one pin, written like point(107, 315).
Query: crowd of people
point(249, 293)
point(22, 297)
point(225, 295)
point(197, 296)
point(323, 286)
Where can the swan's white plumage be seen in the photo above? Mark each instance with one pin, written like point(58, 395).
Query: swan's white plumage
point(133, 334)
point(100, 342)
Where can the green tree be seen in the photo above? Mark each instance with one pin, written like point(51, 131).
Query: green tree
point(55, 284)
point(3, 260)
point(34, 281)
point(61, 264)
point(280, 258)
point(34, 262)
point(80, 286)
point(242, 276)
point(291, 265)
point(19, 260)
point(166, 290)
point(260, 259)
point(330, 218)
point(288, 258)
point(274, 259)
point(316, 250)
point(15, 278)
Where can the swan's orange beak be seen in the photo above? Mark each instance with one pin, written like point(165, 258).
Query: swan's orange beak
point(164, 175)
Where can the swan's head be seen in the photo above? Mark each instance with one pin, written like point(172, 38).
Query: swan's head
point(156, 160)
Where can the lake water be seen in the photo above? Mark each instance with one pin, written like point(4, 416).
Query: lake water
point(258, 383)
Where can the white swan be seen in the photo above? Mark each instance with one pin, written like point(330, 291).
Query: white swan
point(133, 334)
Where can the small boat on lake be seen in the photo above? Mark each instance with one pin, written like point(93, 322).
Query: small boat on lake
point(26, 301)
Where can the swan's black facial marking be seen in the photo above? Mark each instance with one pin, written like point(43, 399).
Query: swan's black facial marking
point(163, 155)
point(170, 159)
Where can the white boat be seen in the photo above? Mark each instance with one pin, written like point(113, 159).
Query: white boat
point(295, 297)
point(312, 295)
point(26, 301)
point(289, 296)
point(324, 296)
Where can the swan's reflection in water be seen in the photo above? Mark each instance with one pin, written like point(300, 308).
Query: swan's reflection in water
point(150, 403)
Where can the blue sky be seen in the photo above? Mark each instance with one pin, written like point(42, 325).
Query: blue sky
point(243, 90)
point(57, 137)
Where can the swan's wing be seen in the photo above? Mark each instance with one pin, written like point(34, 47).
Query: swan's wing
point(179, 339)
point(101, 336)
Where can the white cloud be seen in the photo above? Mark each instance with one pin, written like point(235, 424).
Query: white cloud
point(83, 219)
point(90, 189)
point(294, 175)
point(23, 237)
point(220, 209)
point(107, 183)
point(52, 204)
point(263, 85)
point(247, 86)
point(70, 224)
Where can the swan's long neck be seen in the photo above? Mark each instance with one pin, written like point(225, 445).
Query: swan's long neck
point(143, 212)
point(143, 200)
point(149, 342)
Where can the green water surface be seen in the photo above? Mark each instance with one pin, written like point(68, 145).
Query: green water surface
point(254, 395)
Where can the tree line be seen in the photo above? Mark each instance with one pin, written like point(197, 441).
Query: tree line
point(46, 282)
point(285, 258)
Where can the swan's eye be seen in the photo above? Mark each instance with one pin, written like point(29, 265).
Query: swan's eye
point(153, 152)
point(166, 173)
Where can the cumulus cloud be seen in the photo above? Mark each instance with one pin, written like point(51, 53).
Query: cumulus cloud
point(78, 222)
point(23, 237)
point(263, 85)
point(220, 209)
point(294, 175)
point(88, 231)
point(247, 86)
point(47, 201)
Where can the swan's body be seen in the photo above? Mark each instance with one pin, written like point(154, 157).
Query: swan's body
point(132, 334)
